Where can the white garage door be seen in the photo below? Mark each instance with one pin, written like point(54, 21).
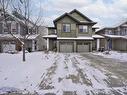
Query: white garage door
point(83, 48)
point(8, 47)
point(66, 47)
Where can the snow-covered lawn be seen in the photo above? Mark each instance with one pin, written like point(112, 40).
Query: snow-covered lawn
point(114, 54)
point(23, 75)
point(54, 73)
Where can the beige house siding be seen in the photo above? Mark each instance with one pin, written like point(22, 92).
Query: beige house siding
point(102, 43)
point(89, 33)
point(66, 20)
point(119, 44)
point(77, 16)
point(51, 31)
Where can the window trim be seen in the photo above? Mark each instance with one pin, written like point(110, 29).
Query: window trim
point(83, 29)
point(14, 27)
point(63, 28)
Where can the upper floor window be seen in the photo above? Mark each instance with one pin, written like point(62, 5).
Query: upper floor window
point(10, 27)
point(66, 27)
point(14, 27)
point(110, 32)
point(124, 32)
point(7, 28)
point(83, 28)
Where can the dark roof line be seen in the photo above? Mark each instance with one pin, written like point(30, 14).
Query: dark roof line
point(65, 14)
point(105, 28)
point(123, 22)
point(69, 15)
point(75, 10)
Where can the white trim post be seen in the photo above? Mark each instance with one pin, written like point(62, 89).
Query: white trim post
point(98, 44)
point(33, 45)
point(47, 44)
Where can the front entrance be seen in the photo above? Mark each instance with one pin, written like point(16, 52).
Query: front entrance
point(109, 40)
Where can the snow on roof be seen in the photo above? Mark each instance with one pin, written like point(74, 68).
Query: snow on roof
point(78, 38)
point(9, 36)
point(31, 37)
point(120, 22)
point(50, 36)
point(97, 36)
point(115, 36)
point(83, 21)
point(125, 37)
point(85, 38)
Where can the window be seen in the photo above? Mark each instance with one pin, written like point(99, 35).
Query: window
point(83, 28)
point(7, 28)
point(124, 31)
point(110, 32)
point(66, 27)
point(14, 27)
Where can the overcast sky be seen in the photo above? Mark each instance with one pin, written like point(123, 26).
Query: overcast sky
point(105, 12)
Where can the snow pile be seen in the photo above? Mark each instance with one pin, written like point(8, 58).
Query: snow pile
point(113, 54)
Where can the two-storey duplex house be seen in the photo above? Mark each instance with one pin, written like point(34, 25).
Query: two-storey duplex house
point(116, 37)
point(72, 33)
point(15, 24)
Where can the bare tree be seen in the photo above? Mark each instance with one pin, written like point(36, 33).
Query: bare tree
point(24, 9)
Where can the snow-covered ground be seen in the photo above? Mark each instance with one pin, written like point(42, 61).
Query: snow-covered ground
point(53, 73)
point(114, 54)
point(23, 75)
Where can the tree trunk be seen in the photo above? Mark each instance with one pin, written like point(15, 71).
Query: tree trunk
point(24, 57)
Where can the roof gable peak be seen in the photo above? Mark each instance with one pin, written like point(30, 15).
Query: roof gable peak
point(78, 12)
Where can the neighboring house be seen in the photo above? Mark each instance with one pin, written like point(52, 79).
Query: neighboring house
point(15, 24)
point(116, 37)
point(73, 32)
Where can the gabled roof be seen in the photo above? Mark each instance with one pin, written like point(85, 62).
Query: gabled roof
point(65, 14)
point(116, 36)
point(104, 29)
point(113, 27)
point(120, 23)
point(12, 16)
point(51, 27)
point(76, 20)
point(81, 15)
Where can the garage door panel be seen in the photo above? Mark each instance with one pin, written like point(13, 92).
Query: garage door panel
point(66, 47)
point(7, 47)
point(83, 48)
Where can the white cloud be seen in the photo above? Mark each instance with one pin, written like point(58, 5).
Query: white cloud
point(104, 14)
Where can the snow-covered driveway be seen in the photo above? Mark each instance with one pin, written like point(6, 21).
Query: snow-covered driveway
point(73, 73)
point(61, 74)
